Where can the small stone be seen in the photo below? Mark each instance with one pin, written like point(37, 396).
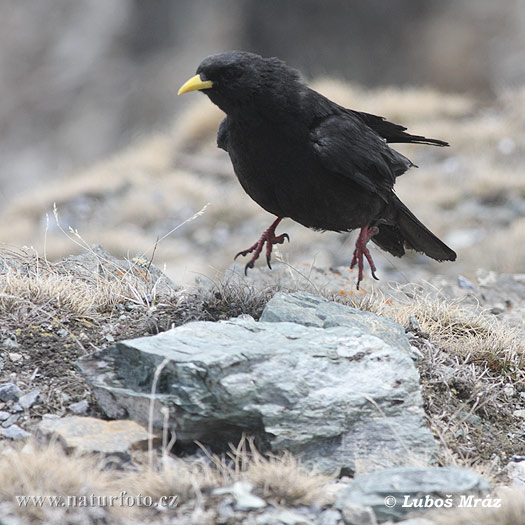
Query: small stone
point(4, 415)
point(11, 420)
point(509, 390)
point(10, 344)
point(80, 407)
point(413, 324)
point(15, 356)
point(28, 400)
point(9, 392)
point(17, 407)
point(244, 499)
point(355, 514)
point(88, 434)
point(330, 517)
point(62, 332)
point(14, 432)
point(225, 510)
point(516, 473)
point(65, 397)
point(473, 419)
point(463, 282)
point(246, 317)
point(519, 413)
point(415, 353)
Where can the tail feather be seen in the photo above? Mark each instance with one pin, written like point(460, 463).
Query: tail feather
point(394, 132)
point(409, 232)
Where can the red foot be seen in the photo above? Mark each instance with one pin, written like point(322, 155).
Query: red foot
point(270, 239)
point(366, 233)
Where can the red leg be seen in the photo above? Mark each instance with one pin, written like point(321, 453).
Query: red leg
point(270, 239)
point(366, 233)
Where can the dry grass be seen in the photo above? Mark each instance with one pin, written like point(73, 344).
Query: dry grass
point(466, 332)
point(279, 479)
point(175, 477)
point(47, 471)
point(29, 282)
point(223, 299)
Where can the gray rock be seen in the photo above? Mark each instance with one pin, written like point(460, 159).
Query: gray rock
point(463, 282)
point(276, 381)
point(313, 310)
point(10, 344)
point(225, 510)
point(80, 407)
point(11, 420)
point(14, 432)
point(392, 493)
point(516, 473)
point(242, 493)
point(473, 419)
point(355, 514)
point(28, 400)
point(4, 415)
point(330, 517)
point(9, 392)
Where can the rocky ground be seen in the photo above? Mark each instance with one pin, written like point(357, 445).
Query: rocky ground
point(464, 339)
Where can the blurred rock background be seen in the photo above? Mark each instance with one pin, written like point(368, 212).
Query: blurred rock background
point(90, 120)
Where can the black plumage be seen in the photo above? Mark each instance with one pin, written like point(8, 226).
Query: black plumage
point(302, 156)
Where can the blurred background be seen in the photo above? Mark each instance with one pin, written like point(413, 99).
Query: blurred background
point(90, 121)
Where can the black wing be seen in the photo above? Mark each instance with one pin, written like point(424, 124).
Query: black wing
point(345, 145)
point(394, 132)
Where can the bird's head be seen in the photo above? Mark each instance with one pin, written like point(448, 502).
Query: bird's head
point(236, 80)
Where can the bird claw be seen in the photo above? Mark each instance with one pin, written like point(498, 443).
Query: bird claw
point(281, 238)
point(248, 266)
point(366, 233)
point(269, 238)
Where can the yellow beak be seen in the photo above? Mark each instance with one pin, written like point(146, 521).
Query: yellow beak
point(195, 84)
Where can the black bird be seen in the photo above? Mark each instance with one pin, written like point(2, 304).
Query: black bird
point(300, 155)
